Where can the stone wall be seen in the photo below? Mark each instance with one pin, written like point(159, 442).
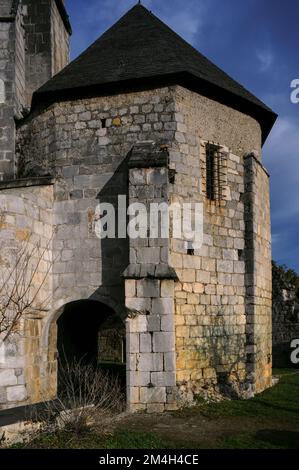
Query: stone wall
point(7, 96)
point(85, 144)
point(34, 45)
point(26, 231)
point(47, 43)
point(151, 376)
point(258, 274)
point(210, 298)
point(59, 41)
point(285, 313)
point(195, 321)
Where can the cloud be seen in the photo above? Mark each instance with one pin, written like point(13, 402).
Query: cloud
point(265, 59)
point(92, 18)
point(186, 22)
point(281, 154)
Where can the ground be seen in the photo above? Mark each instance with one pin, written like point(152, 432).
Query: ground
point(269, 421)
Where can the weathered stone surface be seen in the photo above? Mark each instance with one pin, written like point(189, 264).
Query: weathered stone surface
point(7, 377)
point(163, 342)
point(153, 395)
point(16, 394)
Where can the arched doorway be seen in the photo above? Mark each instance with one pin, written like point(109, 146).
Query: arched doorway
point(90, 332)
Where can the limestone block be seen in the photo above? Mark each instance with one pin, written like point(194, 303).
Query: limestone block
point(137, 177)
point(163, 306)
point(16, 394)
point(203, 277)
point(131, 362)
point(187, 275)
point(133, 394)
point(137, 324)
point(130, 287)
point(138, 378)
point(193, 299)
point(239, 267)
point(163, 379)
point(163, 342)
point(167, 323)
point(169, 361)
point(239, 244)
point(148, 288)
point(198, 288)
point(154, 323)
point(133, 343)
point(153, 395)
point(134, 109)
point(145, 343)
point(7, 377)
point(167, 289)
point(225, 266)
point(150, 362)
point(148, 255)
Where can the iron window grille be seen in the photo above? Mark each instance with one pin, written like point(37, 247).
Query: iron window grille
point(215, 172)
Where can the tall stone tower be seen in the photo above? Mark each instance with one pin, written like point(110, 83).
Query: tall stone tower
point(34, 46)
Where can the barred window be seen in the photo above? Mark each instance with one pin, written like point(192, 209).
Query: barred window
point(215, 172)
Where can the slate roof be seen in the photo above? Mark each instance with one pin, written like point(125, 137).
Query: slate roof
point(141, 51)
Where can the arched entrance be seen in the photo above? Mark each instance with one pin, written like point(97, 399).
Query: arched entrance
point(92, 333)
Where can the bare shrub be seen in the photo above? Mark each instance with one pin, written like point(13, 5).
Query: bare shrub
point(89, 398)
point(24, 277)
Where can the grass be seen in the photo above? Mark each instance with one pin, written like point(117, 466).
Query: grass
point(268, 421)
point(90, 440)
point(279, 402)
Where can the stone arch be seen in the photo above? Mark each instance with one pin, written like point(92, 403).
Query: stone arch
point(2, 91)
point(72, 332)
point(55, 313)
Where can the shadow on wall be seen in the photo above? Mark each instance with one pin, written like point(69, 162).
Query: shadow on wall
point(83, 324)
point(114, 251)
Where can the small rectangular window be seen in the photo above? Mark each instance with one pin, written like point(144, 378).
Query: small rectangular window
point(215, 177)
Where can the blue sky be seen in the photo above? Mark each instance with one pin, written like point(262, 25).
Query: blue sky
point(256, 42)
